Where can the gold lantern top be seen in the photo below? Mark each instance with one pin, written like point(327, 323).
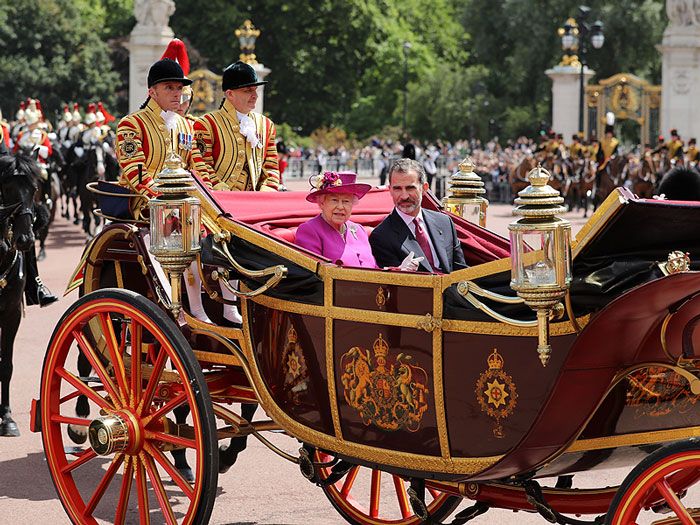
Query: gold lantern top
point(539, 201)
point(465, 194)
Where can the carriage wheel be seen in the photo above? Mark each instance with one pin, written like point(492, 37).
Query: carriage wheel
point(143, 370)
point(658, 483)
point(367, 496)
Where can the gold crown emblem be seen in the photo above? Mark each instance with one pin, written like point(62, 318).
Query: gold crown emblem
point(292, 335)
point(495, 361)
point(381, 349)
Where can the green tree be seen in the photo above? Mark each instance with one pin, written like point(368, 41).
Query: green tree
point(54, 50)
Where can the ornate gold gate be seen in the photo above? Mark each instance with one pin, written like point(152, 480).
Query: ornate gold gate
point(628, 97)
point(206, 91)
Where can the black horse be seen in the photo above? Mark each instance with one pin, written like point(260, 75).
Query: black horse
point(19, 178)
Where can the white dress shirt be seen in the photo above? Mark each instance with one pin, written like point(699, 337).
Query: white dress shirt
point(408, 219)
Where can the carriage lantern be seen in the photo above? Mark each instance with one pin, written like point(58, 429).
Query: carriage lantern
point(465, 199)
point(541, 252)
point(175, 224)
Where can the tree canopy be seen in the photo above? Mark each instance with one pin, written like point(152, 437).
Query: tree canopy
point(468, 67)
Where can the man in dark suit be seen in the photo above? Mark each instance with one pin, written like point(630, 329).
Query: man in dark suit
point(409, 228)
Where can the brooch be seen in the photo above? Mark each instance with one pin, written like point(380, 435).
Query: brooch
point(353, 230)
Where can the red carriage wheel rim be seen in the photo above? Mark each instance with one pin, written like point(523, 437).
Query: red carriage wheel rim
point(654, 486)
point(121, 396)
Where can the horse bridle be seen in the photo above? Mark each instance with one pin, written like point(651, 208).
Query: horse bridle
point(18, 212)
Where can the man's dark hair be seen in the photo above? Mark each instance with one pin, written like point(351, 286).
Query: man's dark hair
point(405, 166)
point(681, 184)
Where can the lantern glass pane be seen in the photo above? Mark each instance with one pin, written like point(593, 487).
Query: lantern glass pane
point(168, 227)
point(194, 226)
point(538, 263)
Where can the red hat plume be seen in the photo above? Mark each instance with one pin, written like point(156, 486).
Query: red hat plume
point(41, 111)
point(108, 116)
point(177, 51)
point(23, 105)
point(76, 106)
point(91, 107)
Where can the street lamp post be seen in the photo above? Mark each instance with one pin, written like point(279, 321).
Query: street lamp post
point(575, 37)
point(406, 47)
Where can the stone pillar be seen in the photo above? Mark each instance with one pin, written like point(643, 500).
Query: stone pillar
point(147, 43)
point(680, 72)
point(565, 98)
point(262, 72)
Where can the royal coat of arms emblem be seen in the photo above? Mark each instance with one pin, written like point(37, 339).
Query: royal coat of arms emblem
point(391, 396)
point(496, 392)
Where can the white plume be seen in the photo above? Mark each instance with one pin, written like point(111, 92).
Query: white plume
point(610, 118)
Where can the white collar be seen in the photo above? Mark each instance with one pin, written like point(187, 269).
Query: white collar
point(408, 219)
point(241, 115)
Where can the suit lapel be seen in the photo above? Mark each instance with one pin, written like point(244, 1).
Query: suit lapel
point(437, 236)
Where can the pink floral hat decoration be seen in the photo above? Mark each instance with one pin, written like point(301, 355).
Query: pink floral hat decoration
point(336, 182)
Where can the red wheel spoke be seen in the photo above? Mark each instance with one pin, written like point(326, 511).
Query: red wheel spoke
point(84, 458)
point(104, 483)
point(169, 438)
point(57, 418)
point(115, 352)
point(434, 493)
point(173, 403)
point(674, 502)
point(91, 355)
point(84, 389)
point(349, 481)
point(152, 382)
point(136, 375)
point(402, 497)
point(157, 484)
point(142, 491)
point(125, 491)
point(375, 490)
point(171, 470)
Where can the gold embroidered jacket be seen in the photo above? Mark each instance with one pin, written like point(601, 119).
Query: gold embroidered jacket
point(231, 158)
point(142, 139)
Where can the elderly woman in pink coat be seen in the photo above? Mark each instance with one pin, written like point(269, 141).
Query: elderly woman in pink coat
point(331, 233)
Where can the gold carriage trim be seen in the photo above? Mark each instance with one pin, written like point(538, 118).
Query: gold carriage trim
point(389, 396)
point(496, 392)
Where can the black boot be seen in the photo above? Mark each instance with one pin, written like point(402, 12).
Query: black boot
point(35, 291)
point(8, 427)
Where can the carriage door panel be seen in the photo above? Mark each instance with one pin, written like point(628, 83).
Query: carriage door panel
point(384, 386)
point(289, 350)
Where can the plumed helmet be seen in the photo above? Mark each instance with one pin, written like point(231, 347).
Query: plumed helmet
point(240, 75)
point(166, 70)
point(67, 117)
point(76, 113)
point(90, 116)
point(108, 117)
point(32, 115)
point(20, 112)
point(610, 118)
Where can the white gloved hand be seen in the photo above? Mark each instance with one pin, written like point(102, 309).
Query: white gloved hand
point(410, 263)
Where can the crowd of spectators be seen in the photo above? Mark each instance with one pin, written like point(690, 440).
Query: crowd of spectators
point(493, 160)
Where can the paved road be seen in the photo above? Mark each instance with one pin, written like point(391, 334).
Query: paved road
point(261, 489)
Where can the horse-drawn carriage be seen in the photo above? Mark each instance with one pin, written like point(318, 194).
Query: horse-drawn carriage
point(430, 380)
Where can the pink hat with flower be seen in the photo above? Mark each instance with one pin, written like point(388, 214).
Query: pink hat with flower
point(336, 182)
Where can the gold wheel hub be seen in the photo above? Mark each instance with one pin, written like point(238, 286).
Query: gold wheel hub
point(108, 435)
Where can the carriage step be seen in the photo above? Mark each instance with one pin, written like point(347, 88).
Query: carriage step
point(35, 416)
